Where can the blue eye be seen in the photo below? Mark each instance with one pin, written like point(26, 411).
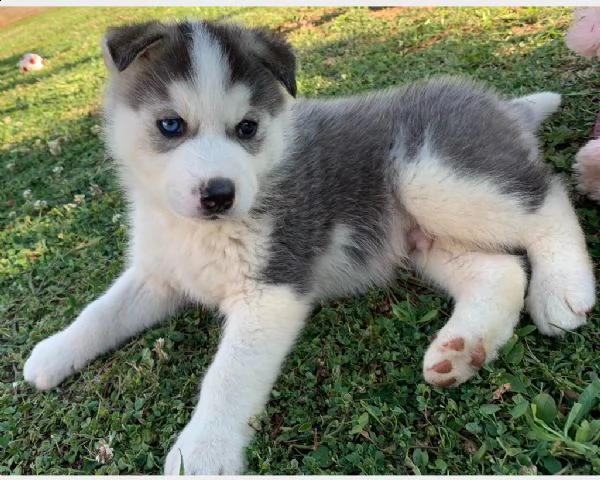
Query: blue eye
point(171, 127)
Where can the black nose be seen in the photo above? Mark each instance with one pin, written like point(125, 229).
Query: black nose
point(218, 195)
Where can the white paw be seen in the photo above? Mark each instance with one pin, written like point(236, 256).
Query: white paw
point(205, 454)
point(50, 362)
point(559, 299)
point(453, 358)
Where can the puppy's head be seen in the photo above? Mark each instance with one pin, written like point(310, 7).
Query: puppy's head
point(196, 112)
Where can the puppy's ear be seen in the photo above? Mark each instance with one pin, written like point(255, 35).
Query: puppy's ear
point(276, 54)
point(122, 45)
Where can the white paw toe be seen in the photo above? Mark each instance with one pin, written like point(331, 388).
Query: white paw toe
point(201, 455)
point(49, 363)
point(559, 301)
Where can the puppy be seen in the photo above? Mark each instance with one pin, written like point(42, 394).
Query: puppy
point(259, 205)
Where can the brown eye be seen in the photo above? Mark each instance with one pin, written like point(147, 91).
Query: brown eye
point(246, 129)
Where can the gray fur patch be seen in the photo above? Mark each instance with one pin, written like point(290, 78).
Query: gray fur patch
point(145, 80)
point(334, 175)
point(474, 131)
point(346, 152)
point(259, 60)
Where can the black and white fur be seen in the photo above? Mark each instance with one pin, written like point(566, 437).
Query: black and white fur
point(331, 197)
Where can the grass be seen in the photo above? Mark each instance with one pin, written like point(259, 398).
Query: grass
point(351, 398)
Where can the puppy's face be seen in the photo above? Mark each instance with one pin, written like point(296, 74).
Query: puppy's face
point(196, 112)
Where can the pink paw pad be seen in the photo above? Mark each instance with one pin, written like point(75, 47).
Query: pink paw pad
point(454, 361)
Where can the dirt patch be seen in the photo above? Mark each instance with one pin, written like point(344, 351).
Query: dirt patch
point(391, 12)
point(309, 19)
point(10, 15)
point(525, 29)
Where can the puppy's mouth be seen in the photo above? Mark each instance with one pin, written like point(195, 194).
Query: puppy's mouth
point(213, 216)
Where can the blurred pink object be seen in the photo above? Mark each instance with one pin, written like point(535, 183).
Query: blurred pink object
point(587, 168)
point(30, 62)
point(584, 36)
point(584, 39)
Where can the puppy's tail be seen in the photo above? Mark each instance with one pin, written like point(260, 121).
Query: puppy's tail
point(535, 108)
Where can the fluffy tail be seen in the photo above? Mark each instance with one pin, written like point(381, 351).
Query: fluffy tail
point(534, 109)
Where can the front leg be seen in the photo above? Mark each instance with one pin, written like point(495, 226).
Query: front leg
point(260, 330)
point(133, 303)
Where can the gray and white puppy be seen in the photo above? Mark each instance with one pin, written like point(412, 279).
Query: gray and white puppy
point(259, 205)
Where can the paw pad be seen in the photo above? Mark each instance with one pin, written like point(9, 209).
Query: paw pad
point(457, 344)
point(445, 366)
point(451, 362)
point(478, 355)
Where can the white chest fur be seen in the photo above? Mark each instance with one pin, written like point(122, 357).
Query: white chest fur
point(207, 261)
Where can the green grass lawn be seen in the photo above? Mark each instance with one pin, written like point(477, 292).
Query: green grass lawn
point(351, 398)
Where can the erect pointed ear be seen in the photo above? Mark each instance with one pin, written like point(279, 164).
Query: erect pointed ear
point(276, 54)
point(122, 45)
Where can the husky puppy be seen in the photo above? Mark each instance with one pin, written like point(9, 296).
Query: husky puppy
point(259, 205)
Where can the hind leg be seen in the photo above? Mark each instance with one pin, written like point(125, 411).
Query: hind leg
point(562, 286)
point(473, 211)
point(489, 291)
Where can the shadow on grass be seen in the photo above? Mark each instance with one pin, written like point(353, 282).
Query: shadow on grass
point(310, 21)
point(9, 64)
point(366, 61)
